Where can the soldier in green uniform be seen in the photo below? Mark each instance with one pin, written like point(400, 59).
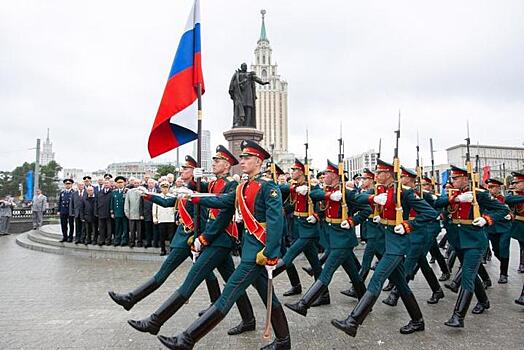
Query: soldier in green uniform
point(117, 212)
point(260, 205)
point(375, 244)
point(304, 223)
point(213, 248)
point(467, 235)
point(342, 237)
point(516, 201)
point(421, 240)
point(397, 247)
point(500, 233)
point(180, 249)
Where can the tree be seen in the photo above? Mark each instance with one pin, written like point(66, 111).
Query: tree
point(48, 178)
point(11, 180)
point(165, 169)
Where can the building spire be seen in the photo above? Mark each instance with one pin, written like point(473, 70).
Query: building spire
point(263, 35)
point(47, 135)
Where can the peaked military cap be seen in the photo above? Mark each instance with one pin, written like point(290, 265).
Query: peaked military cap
point(251, 148)
point(368, 173)
point(68, 181)
point(223, 153)
point(108, 176)
point(456, 171)
point(319, 174)
point(426, 178)
point(87, 177)
point(278, 169)
point(494, 181)
point(384, 166)
point(298, 165)
point(190, 162)
point(331, 167)
point(517, 176)
point(118, 178)
point(408, 172)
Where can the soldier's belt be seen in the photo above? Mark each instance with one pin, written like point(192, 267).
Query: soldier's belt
point(462, 221)
point(302, 214)
point(519, 218)
point(334, 220)
point(371, 216)
point(388, 222)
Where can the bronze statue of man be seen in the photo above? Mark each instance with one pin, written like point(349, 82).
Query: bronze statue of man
point(243, 94)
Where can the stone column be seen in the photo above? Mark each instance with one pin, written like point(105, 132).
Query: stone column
point(236, 136)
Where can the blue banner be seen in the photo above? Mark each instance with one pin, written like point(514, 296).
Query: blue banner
point(28, 195)
point(444, 182)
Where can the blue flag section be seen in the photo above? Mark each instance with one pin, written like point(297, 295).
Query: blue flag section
point(28, 193)
point(444, 180)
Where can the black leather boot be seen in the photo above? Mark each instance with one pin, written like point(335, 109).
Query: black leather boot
point(323, 299)
point(350, 292)
point(416, 324)
point(521, 265)
point(153, 323)
point(436, 296)
point(248, 318)
point(187, 339)
point(454, 285)
point(314, 292)
point(296, 286)
point(128, 300)
point(388, 287)
point(504, 265)
point(357, 316)
point(482, 297)
point(280, 327)
point(214, 293)
point(392, 298)
point(444, 277)
point(309, 269)
point(461, 308)
point(520, 300)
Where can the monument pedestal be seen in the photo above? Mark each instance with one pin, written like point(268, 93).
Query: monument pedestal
point(235, 136)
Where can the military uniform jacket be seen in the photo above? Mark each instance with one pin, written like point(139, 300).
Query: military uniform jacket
point(64, 200)
point(220, 228)
point(516, 202)
point(500, 226)
point(371, 229)
point(340, 238)
point(117, 202)
point(264, 201)
point(300, 204)
point(400, 244)
point(461, 233)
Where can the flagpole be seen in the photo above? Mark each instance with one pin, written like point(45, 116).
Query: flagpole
point(199, 151)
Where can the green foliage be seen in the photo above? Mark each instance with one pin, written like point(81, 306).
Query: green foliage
point(11, 180)
point(165, 169)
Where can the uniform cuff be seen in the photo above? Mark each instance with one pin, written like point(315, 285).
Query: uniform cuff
point(148, 197)
point(203, 240)
point(407, 227)
point(271, 262)
point(195, 200)
point(489, 219)
point(327, 195)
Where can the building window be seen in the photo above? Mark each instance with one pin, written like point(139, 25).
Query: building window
point(264, 74)
point(263, 59)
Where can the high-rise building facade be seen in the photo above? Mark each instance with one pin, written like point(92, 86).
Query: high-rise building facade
point(47, 154)
point(271, 103)
point(356, 164)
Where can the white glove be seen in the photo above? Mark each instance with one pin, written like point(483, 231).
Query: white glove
point(183, 192)
point(466, 197)
point(195, 255)
point(270, 270)
point(238, 217)
point(141, 190)
point(345, 225)
point(381, 199)
point(302, 190)
point(198, 173)
point(507, 217)
point(336, 196)
point(197, 245)
point(376, 219)
point(311, 219)
point(480, 222)
point(400, 230)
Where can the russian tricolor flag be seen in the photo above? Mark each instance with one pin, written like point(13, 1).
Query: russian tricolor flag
point(180, 92)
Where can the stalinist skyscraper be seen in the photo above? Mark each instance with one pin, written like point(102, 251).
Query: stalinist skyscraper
point(271, 103)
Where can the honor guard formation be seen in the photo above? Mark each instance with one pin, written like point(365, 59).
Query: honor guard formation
point(270, 220)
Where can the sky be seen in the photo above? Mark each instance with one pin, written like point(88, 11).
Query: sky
point(94, 72)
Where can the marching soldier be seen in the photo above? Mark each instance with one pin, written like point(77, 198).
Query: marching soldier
point(260, 204)
point(500, 233)
point(342, 238)
point(180, 249)
point(64, 200)
point(467, 236)
point(118, 197)
point(516, 202)
point(421, 239)
point(213, 247)
point(397, 246)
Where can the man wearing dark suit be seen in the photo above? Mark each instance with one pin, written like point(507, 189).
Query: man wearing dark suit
point(75, 210)
point(64, 198)
point(88, 216)
point(103, 211)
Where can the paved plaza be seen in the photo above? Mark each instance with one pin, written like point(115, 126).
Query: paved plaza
point(50, 301)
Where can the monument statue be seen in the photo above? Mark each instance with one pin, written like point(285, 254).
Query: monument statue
point(243, 94)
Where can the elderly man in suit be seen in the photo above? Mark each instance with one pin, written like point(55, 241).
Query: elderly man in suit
point(75, 210)
point(38, 208)
point(6, 212)
point(103, 212)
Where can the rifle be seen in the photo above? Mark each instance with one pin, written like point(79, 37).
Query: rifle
point(310, 209)
point(434, 183)
point(396, 182)
point(273, 167)
point(376, 210)
point(418, 169)
point(472, 179)
point(341, 176)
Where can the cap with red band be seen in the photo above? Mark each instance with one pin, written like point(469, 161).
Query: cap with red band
point(251, 148)
point(223, 153)
point(190, 163)
point(408, 172)
point(331, 167)
point(456, 171)
point(298, 165)
point(384, 166)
